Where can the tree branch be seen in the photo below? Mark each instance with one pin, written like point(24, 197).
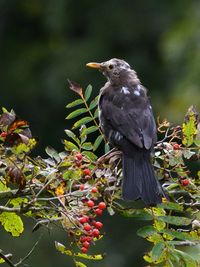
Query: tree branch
point(6, 258)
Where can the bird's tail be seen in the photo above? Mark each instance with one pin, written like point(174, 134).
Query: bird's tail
point(139, 180)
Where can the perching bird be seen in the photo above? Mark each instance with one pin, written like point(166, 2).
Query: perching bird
point(128, 123)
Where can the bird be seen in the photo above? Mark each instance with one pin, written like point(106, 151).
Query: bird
point(128, 123)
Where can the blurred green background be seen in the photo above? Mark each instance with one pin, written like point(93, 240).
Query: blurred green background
point(42, 43)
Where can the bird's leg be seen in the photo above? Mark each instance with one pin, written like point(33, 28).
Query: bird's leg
point(112, 154)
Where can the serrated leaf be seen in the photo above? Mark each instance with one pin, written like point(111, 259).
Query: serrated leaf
point(12, 223)
point(171, 206)
point(80, 264)
point(61, 248)
point(137, 214)
point(73, 136)
point(90, 155)
point(189, 128)
point(97, 142)
point(96, 257)
point(94, 103)
point(81, 122)
point(75, 103)
point(106, 148)
point(52, 153)
point(90, 129)
point(175, 220)
point(87, 146)
point(96, 113)
point(76, 113)
point(76, 88)
point(180, 235)
point(146, 231)
point(88, 92)
point(157, 251)
point(69, 146)
point(188, 260)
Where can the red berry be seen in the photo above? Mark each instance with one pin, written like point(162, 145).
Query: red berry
point(98, 212)
point(185, 182)
point(93, 222)
point(89, 239)
point(102, 205)
point(87, 177)
point(3, 134)
point(79, 156)
point(86, 172)
point(87, 227)
point(90, 203)
point(84, 250)
point(94, 190)
point(86, 244)
point(95, 233)
point(176, 146)
point(98, 225)
point(83, 238)
point(84, 219)
point(81, 187)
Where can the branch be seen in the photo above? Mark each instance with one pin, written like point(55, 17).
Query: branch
point(25, 209)
point(6, 258)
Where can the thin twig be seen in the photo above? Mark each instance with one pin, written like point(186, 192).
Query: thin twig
point(6, 258)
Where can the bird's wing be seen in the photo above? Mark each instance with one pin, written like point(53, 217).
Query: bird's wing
point(129, 114)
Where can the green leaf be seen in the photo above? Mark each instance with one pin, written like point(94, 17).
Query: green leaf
point(171, 206)
point(87, 146)
point(180, 235)
point(157, 251)
point(188, 260)
point(80, 264)
point(81, 122)
point(61, 248)
point(3, 187)
point(197, 137)
point(97, 142)
point(73, 136)
point(175, 220)
point(90, 155)
point(137, 214)
point(17, 202)
point(189, 128)
point(146, 231)
point(12, 223)
point(89, 257)
point(106, 148)
point(90, 129)
point(94, 103)
point(88, 92)
point(76, 113)
point(69, 146)
point(96, 113)
point(2, 260)
point(75, 103)
point(52, 153)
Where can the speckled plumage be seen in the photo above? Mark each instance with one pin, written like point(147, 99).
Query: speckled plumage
point(128, 123)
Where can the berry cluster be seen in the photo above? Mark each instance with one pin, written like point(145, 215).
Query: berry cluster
point(90, 227)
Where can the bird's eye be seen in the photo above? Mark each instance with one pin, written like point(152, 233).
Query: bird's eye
point(110, 67)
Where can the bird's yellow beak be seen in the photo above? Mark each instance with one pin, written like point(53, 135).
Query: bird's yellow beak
point(94, 65)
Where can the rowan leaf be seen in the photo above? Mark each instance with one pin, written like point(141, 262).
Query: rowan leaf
point(87, 146)
point(96, 257)
point(82, 121)
point(12, 223)
point(80, 264)
point(76, 88)
point(76, 113)
point(90, 129)
point(69, 146)
point(137, 214)
point(97, 142)
point(61, 248)
point(187, 259)
point(189, 128)
point(158, 251)
point(175, 220)
point(88, 92)
point(75, 103)
point(52, 153)
point(73, 136)
point(146, 231)
point(90, 155)
point(94, 103)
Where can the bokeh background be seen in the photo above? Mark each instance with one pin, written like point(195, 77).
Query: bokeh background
point(42, 43)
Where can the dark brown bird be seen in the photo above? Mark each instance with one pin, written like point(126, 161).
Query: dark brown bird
point(128, 123)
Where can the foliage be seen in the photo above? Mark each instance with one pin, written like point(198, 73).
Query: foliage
point(74, 187)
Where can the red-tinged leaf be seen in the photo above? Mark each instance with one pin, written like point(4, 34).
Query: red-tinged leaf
point(76, 88)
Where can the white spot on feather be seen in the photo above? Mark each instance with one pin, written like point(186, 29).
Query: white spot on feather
point(125, 90)
point(136, 92)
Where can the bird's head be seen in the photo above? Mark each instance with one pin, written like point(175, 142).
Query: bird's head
point(115, 69)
